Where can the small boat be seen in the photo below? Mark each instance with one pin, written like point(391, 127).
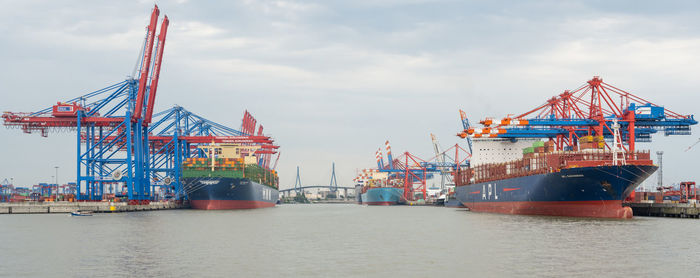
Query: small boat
point(81, 213)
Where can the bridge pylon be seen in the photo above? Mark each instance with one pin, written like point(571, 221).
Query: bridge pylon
point(297, 184)
point(333, 186)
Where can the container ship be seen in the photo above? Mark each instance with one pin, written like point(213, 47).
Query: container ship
point(528, 176)
point(587, 164)
point(229, 178)
point(378, 190)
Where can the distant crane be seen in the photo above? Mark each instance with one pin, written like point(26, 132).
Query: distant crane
point(693, 145)
point(413, 171)
point(440, 158)
point(465, 125)
point(274, 166)
point(6, 190)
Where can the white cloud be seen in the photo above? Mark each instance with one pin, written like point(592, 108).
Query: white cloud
point(285, 9)
point(333, 80)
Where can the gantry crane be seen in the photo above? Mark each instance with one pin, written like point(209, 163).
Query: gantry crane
point(590, 109)
point(111, 125)
point(693, 145)
point(177, 134)
point(121, 140)
point(413, 172)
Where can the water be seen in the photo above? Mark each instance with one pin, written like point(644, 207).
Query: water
point(344, 241)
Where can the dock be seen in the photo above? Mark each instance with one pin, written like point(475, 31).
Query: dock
point(677, 210)
point(332, 201)
point(96, 207)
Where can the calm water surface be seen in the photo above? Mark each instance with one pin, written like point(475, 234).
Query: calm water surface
point(344, 241)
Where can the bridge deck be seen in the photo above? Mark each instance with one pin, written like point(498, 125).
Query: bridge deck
point(314, 186)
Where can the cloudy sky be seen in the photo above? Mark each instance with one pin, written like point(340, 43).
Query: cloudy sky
point(332, 80)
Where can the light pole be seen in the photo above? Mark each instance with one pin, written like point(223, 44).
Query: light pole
point(50, 190)
point(56, 199)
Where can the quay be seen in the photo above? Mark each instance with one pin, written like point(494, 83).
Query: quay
point(96, 207)
point(333, 201)
point(678, 210)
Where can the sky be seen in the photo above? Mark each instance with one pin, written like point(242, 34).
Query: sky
point(332, 80)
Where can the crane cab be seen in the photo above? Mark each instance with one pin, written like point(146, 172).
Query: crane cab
point(62, 109)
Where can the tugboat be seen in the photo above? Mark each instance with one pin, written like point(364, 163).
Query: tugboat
point(81, 213)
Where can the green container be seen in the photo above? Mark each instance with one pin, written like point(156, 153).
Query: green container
point(528, 150)
point(538, 144)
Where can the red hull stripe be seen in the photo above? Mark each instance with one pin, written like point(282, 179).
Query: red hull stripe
point(229, 204)
point(510, 189)
point(475, 192)
point(604, 209)
point(380, 203)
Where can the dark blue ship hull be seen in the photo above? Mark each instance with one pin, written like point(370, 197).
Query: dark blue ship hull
point(583, 192)
point(453, 203)
point(229, 193)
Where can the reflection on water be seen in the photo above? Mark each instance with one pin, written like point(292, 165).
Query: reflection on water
point(344, 240)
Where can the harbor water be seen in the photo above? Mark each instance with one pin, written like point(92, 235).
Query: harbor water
point(339, 240)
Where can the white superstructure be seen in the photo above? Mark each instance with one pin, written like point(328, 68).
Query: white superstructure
point(497, 150)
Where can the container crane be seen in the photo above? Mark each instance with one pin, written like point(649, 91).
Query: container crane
point(413, 172)
point(6, 190)
point(111, 124)
point(274, 166)
point(178, 133)
point(465, 125)
point(440, 158)
point(588, 111)
point(693, 145)
point(389, 157)
point(380, 159)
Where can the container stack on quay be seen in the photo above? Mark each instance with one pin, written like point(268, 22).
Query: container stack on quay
point(667, 202)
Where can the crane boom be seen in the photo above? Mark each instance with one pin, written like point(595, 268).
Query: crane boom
point(156, 70)
point(465, 124)
point(693, 145)
point(145, 65)
point(276, 160)
point(436, 147)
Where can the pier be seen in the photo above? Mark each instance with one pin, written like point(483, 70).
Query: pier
point(678, 210)
point(96, 207)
